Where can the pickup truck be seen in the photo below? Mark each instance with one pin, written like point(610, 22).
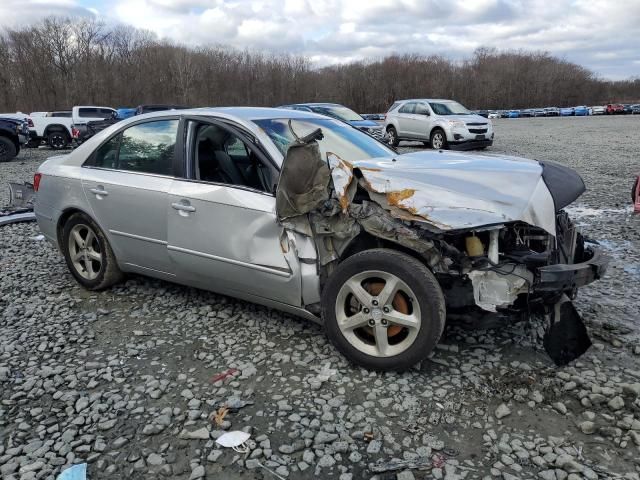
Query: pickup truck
point(14, 133)
point(82, 116)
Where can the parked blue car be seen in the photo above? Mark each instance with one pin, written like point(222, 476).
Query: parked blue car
point(340, 112)
point(513, 114)
point(580, 111)
point(123, 113)
point(567, 112)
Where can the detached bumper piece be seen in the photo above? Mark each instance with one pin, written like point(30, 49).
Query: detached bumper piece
point(566, 338)
point(567, 277)
point(470, 144)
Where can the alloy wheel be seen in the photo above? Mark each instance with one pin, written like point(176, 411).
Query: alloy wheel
point(437, 142)
point(378, 314)
point(85, 252)
point(57, 141)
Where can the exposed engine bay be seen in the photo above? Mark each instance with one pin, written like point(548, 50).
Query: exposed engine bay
point(499, 253)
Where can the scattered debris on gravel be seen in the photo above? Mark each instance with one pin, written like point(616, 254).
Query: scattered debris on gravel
point(139, 381)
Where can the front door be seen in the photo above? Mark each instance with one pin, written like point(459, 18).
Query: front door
point(223, 233)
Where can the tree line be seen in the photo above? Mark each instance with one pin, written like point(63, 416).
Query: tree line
point(59, 63)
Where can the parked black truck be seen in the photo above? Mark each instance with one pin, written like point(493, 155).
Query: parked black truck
point(13, 134)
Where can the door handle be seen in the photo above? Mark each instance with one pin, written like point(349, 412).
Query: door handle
point(183, 207)
point(99, 191)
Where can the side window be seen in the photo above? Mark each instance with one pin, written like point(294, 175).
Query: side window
point(107, 155)
point(220, 156)
point(87, 112)
point(421, 109)
point(149, 147)
point(407, 108)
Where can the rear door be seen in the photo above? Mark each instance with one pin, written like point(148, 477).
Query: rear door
point(421, 121)
point(126, 182)
point(405, 119)
point(223, 233)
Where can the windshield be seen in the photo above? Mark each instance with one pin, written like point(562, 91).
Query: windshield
point(341, 113)
point(342, 140)
point(448, 108)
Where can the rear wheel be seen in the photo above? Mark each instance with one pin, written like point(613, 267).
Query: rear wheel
point(88, 253)
point(58, 140)
point(392, 135)
point(438, 139)
point(8, 149)
point(383, 309)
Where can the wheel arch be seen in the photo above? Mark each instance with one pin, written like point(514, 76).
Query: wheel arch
point(12, 138)
point(67, 213)
point(56, 127)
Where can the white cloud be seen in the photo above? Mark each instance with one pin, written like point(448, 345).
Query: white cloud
point(598, 34)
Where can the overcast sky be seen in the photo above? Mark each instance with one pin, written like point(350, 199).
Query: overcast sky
point(603, 35)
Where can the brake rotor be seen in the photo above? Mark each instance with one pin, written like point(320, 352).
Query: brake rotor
point(399, 303)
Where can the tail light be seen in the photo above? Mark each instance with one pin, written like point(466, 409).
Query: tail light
point(30, 122)
point(75, 133)
point(36, 181)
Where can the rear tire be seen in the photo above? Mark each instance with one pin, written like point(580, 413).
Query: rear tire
point(58, 140)
point(392, 134)
point(8, 149)
point(88, 253)
point(438, 139)
point(387, 327)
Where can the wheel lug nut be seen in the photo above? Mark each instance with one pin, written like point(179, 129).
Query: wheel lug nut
point(374, 302)
point(385, 309)
point(383, 322)
point(365, 310)
point(372, 322)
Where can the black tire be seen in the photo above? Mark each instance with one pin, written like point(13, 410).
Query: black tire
point(58, 139)
point(419, 279)
point(392, 134)
point(109, 273)
point(8, 149)
point(438, 135)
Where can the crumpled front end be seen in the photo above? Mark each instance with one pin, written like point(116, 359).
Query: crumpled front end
point(492, 232)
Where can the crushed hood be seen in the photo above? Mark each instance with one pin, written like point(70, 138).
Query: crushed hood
point(453, 191)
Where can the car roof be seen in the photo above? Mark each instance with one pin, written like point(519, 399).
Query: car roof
point(242, 113)
point(427, 100)
point(315, 104)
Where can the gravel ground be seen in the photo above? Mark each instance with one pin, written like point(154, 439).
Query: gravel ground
point(125, 379)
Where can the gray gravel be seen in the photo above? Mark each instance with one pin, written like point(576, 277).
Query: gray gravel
point(122, 379)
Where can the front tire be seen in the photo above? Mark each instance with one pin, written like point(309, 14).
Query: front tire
point(392, 135)
point(58, 140)
point(88, 253)
point(383, 310)
point(438, 139)
point(8, 149)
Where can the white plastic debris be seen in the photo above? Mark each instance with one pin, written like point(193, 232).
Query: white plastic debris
point(37, 238)
point(234, 439)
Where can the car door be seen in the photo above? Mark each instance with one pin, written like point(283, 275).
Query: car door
point(421, 121)
point(223, 233)
point(405, 119)
point(126, 182)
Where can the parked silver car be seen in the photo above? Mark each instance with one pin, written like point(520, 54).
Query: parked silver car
point(437, 123)
point(309, 215)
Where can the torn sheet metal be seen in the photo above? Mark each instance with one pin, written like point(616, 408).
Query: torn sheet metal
point(492, 289)
point(20, 208)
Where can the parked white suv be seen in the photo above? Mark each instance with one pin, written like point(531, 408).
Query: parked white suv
point(438, 123)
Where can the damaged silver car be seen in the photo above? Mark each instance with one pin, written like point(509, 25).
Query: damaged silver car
point(308, 215)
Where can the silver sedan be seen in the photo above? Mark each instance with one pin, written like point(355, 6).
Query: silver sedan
point(309, 215)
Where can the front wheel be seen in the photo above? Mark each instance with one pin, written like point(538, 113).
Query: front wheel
point(8, 149)
point(383, 310)
point(438, 139)
point(88, 253)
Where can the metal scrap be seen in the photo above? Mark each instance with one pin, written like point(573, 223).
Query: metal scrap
point(20, 208)
point(395, 465)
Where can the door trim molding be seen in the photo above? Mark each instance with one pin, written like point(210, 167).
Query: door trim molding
point(138, 237)
point(260, 268)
